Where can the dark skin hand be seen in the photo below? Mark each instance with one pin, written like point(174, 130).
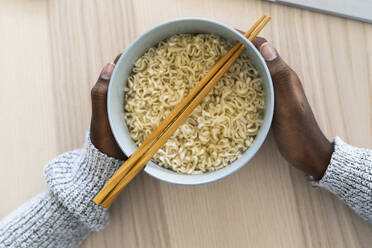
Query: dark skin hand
point(100, 131)
point(297, 134)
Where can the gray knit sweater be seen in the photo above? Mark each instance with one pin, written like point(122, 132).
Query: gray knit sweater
point(64, 216)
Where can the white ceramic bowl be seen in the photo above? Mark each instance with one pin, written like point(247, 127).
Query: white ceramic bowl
point(115, 101)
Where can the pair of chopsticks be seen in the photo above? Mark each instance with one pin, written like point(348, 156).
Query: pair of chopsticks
point(138, 160)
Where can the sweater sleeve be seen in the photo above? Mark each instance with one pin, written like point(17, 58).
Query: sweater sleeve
point(349, 176)
point(66, 214)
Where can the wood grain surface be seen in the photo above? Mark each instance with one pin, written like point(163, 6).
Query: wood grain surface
point(51, 53)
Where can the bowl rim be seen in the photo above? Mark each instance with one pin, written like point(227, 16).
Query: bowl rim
point(170, 176)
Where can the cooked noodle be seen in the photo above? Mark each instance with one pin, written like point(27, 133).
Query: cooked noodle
point(220, 129)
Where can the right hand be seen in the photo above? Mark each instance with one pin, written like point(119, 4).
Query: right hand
point(296, 131)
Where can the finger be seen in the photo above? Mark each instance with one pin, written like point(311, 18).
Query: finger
point(99, 90)
point(117, 58)
point(240, 31)
point(279, 70)
point(258, 41)
point(101, 86)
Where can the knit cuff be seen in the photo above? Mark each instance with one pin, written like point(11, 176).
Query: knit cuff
point(76, 177)
point(349, 176)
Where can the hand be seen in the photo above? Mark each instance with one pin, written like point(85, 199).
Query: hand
point(100, 131)
point(296, 131)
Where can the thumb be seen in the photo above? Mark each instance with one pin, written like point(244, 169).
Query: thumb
point(279, 70)
point(99, 91)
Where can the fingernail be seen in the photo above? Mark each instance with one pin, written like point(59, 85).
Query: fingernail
point(107, 71)
point(268, 51)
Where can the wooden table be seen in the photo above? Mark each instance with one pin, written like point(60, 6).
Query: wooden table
point(51, 53)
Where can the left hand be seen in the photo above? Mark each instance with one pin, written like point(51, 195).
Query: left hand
point(297, 133)
point(100, 131)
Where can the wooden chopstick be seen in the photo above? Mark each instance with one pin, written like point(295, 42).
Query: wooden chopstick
point(125, 167)
point(179, 120)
